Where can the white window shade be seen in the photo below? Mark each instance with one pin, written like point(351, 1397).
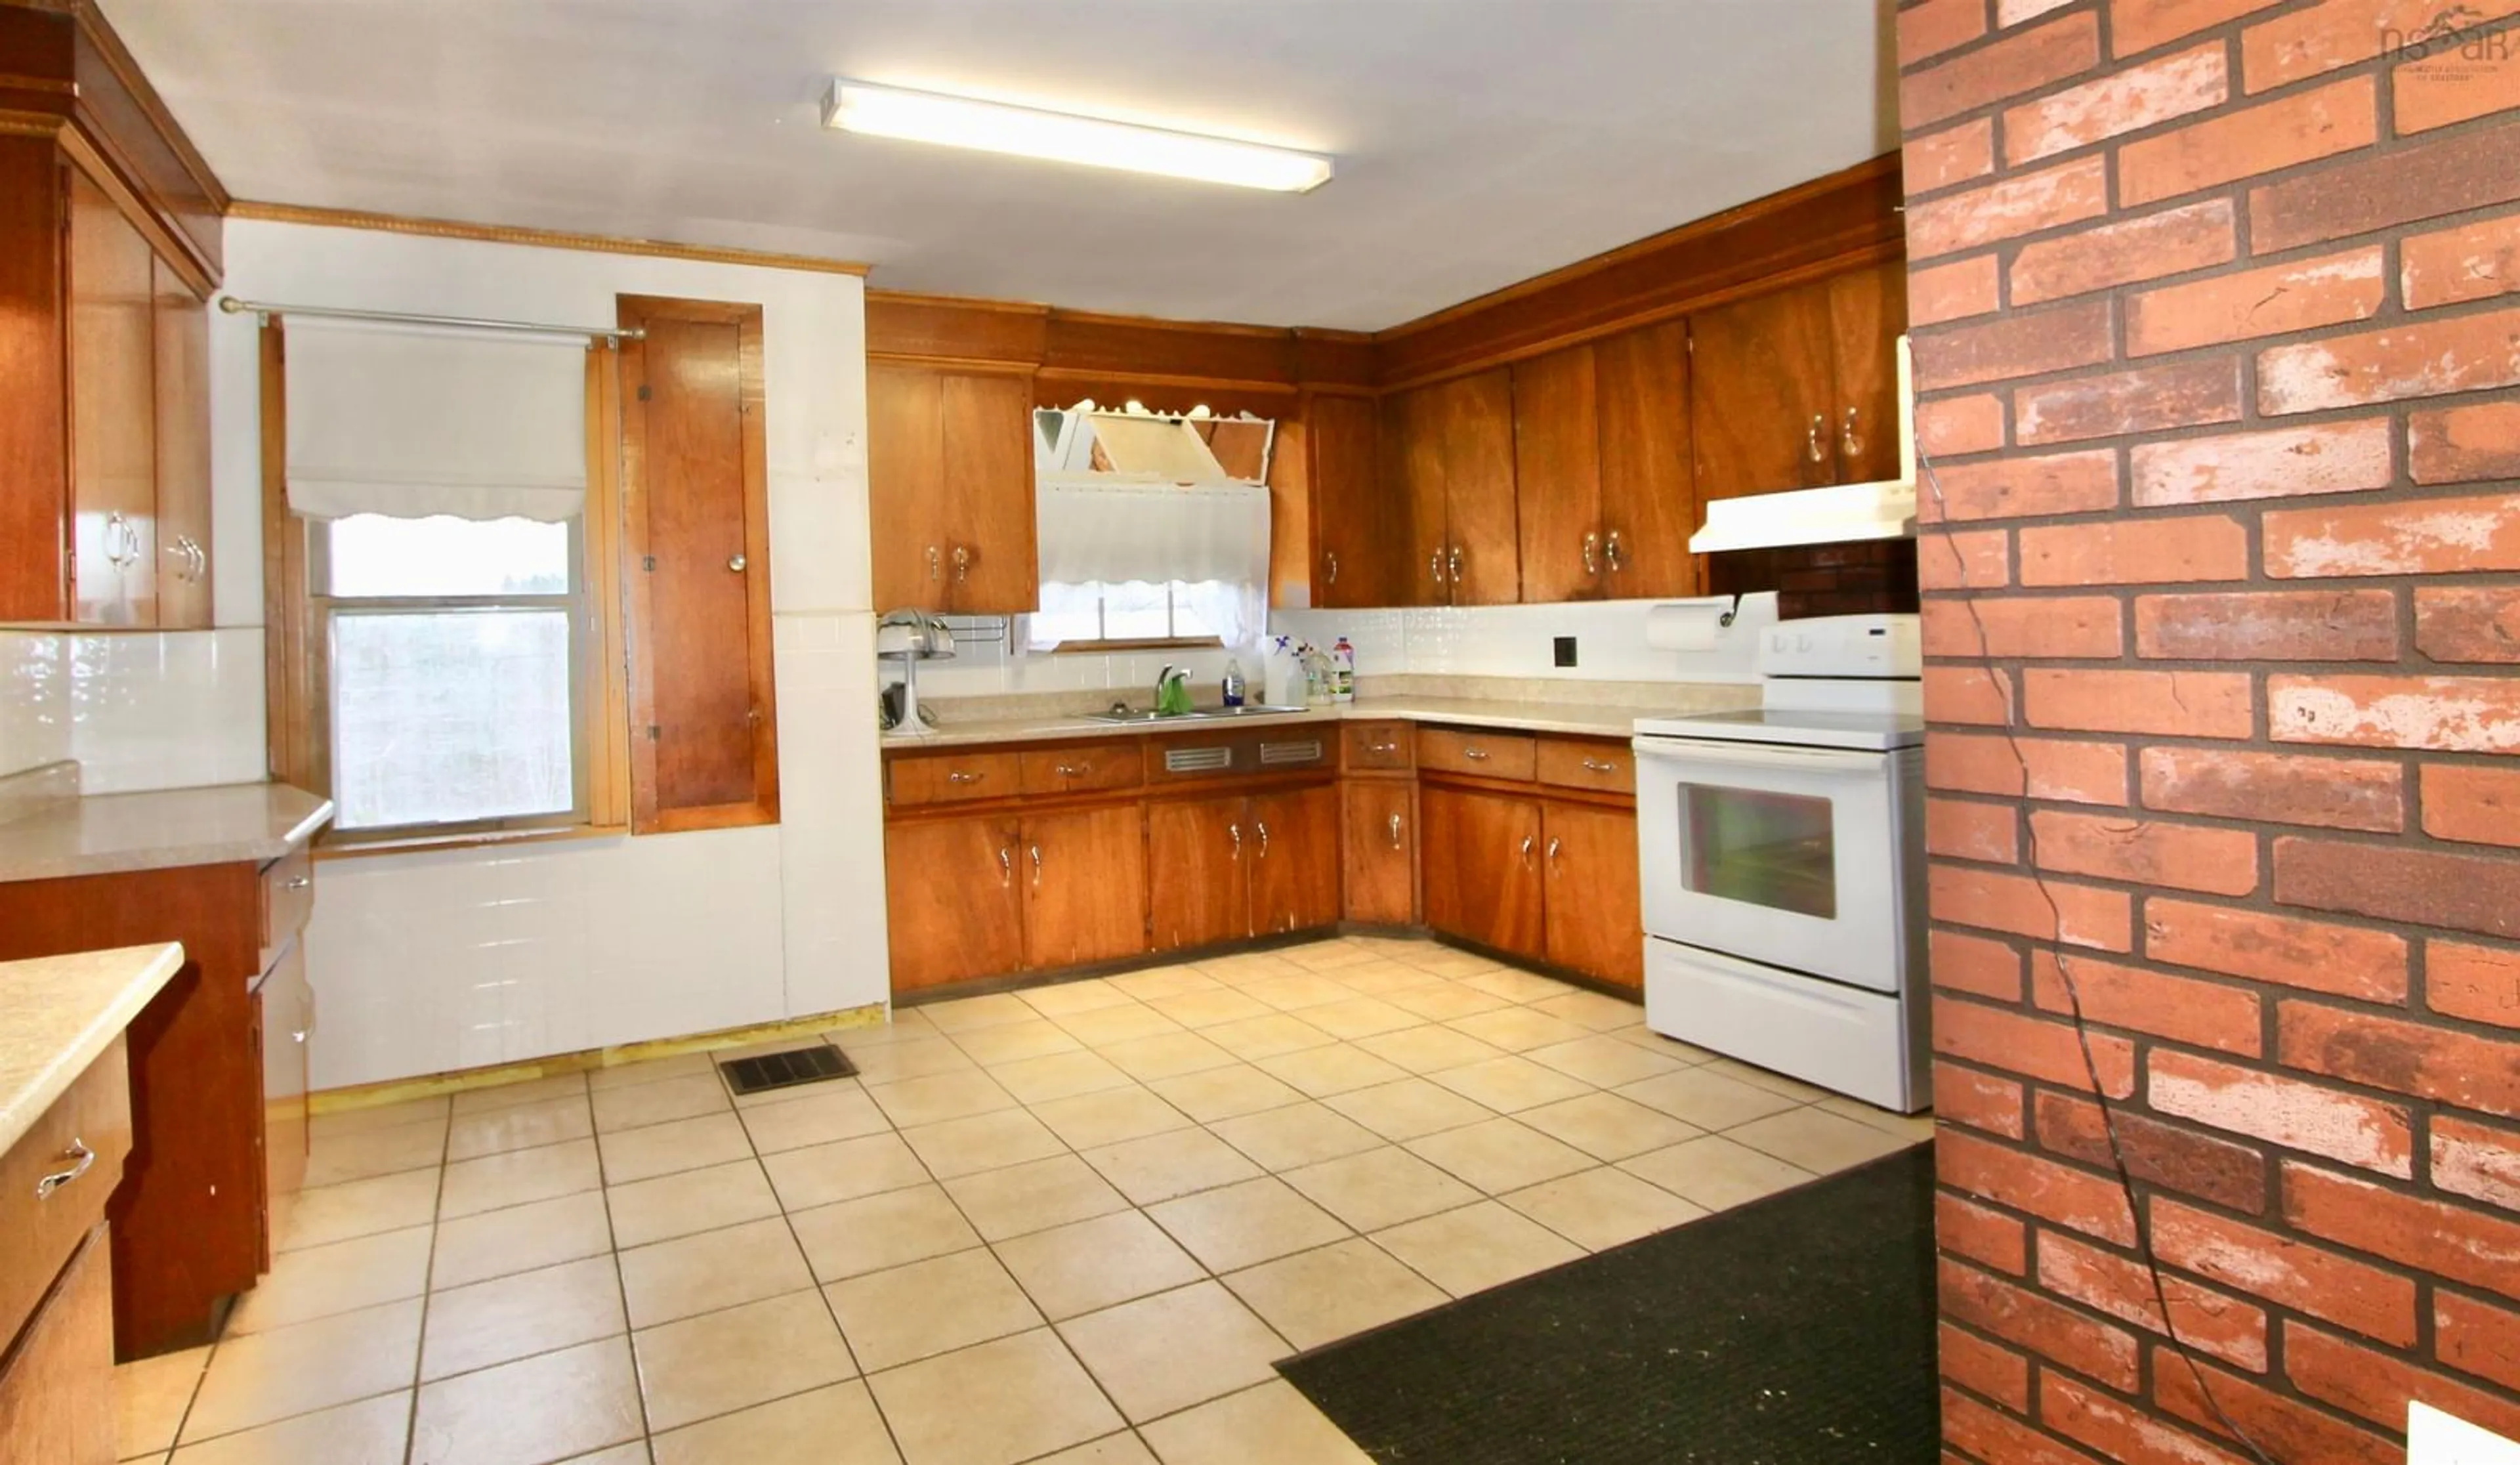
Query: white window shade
point(415, 423)
point(1156, 533)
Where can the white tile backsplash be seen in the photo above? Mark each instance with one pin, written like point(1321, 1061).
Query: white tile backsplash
point(1517, 641)
point(138, 709)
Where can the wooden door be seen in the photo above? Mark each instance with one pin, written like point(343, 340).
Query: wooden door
point(1085, 886)
point(1378, 852)
point(1360, 519)
point(181, 322)
point(991, 562)
point(1199, 855)
point(1295, 880)
point(1867, 309)
point(57, 1390)
point(906, 485)
point(1413, 475)
point(1557, 475)
point(1648, 481)
point(1484, 557)
point(704, 747)
point(114, 412)
point(284, 1008)
point(953, 894)
point(35, 518)
point(1479, 856)
point(1595, 914)
point(1760, 394)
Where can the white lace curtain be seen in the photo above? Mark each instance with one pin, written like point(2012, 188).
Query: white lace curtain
point(1204, 548)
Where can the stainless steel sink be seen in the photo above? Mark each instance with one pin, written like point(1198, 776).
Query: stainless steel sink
point(1128, 715)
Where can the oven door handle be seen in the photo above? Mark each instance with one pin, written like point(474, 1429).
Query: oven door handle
point(1846, 761)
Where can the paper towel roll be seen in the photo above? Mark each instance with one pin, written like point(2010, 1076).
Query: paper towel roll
point(1687, 624)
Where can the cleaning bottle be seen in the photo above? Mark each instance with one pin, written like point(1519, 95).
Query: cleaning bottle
point(1233, 681)
point(1342, 672)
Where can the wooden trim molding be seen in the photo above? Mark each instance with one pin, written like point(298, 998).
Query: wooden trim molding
point(548, 238)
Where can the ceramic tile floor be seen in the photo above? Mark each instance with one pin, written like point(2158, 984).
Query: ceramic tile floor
point(1073, 1225)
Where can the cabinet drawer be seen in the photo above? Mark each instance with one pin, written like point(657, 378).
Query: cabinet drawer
point(56, 1387)
point(1112, 765)
point(287, 898)
point(955, 778)
point(1582, 763)
point(1460, 750)
point(1377, 745)
point(85, 1134)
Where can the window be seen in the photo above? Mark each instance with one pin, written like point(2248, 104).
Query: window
point(1135, 611)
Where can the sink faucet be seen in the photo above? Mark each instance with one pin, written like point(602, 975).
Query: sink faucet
point(1172, 692)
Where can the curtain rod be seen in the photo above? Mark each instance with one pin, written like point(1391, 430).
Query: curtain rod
point(608, 335)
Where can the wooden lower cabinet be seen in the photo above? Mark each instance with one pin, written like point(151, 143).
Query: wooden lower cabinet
point(1085, 886)
point(1198, 885)
point(1295, 873)
point(1479, 855)
point(953, 900)
point(1379, 851)
point(284, 1019)
point(1595, 916)
point(57, 1386)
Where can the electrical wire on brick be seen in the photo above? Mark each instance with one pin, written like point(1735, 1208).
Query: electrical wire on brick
point(1985, 658)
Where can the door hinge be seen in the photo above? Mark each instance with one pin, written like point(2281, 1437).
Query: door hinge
point(652, 732)
point(648, 563)
point(643, 392)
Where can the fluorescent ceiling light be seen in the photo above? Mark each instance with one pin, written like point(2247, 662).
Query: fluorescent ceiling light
point(1063, 137)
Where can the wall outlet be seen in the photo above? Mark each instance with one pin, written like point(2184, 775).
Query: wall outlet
point(2434, 1438)
point(1565, 649)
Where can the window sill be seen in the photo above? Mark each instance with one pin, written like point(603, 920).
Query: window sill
point(477, 840)
point(1107, 648)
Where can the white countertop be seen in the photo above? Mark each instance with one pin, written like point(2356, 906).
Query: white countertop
point(58, 1013)
point(108, 834)
point(1573, 717)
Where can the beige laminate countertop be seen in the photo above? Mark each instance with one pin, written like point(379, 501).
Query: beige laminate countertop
point(109, 834)
point(1578, 719)
point(58, 1013)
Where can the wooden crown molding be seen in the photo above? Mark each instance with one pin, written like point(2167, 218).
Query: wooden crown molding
point(549, 239)
point(118, 60)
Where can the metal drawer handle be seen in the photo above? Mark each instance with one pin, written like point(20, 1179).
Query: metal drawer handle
point(1395, 831)
point(1435, 564)
point(82, 1160)
point(1383, 748)
point(297, 1035)
point(959, 776)
point(1596, 765)
point(1262, 825)
point(1847, 440)
point(299, 883)
point(1526, 851)
point(931, 563)
point(962, 564)
point(1236, 830)
point(1454, 564)
point(1334, 559)
point(1818, 444)
point(1614, 552)
point(1552, 853)
point(1036, 867)
point(1476, 755)
point(1592, 544)
point(1074, 770)
point(1007, 866)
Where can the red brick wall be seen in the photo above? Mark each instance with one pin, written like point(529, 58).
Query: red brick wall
point(2218, 331)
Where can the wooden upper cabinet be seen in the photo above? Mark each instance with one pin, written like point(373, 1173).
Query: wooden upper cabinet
point(1557, 474)
point(1360, 519)
point(34, 450)
point(1762, 393)
point(950, 479)
point(1649, 482)
point(1475, 420)
point(954, 899)
point(1412, 451)
point(906, 485)
point(704, 750)
point(182, 400)
point(114, 412)
point(1198, 858)
point(1867, 310)
point(1084, 875)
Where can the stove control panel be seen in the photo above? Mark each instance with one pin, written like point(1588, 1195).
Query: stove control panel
point(1842, 646)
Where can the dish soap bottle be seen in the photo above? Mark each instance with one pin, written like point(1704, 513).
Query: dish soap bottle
point(1342, 672)
point(1233, 681)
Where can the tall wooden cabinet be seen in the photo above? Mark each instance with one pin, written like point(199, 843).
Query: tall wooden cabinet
point(1798, 389)
point(949, 472)
point(1362, 534)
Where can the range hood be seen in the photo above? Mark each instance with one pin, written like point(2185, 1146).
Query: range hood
point(1825, 516)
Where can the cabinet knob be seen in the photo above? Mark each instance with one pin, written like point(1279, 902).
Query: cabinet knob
point(1848, 442)
point(1816, 441)
point(299, 883)
point(82, 1160)
point(737, 564)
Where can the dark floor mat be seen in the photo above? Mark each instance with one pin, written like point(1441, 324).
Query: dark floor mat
point(1798, 1330)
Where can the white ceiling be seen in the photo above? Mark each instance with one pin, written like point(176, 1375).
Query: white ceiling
point(1479, 141)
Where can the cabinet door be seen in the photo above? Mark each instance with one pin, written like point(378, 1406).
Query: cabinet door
point(991, 558)
point(35, 522)
point(182, 400)
point(1868, 308)
point(954, 897)
point(1761, 391)
point(1595, 921)
point(1360, 519)
point(1649, 482)
point(1480, 857)
point(1085, 887)
point(57, 1390)
point(1484, 558)
point(1295, 879)
point(1557, 475)
point(906, 485)
point(114, 412)
point(1412, 458)
point(1379, 851)
point(285, 1007)
point(1199, 859)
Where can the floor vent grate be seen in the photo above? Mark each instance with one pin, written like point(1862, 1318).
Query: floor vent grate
point(769, 1070)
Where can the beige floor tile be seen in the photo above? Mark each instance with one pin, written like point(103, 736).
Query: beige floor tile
point(992, 1404)
point(653, 1071)
point(1255, 1039)
point(1239, 1225)
point(1213, 1094)
point(1382, 976)
point(1603, 1062)
point(1431, 1049)
point(1359, 1017)
point(844, 1170)
point(1915, 1129)
point(1243, 968)
point(1032, 1197)
point(1281, 1140)
point(1500, 1155)
point(1273, 1423)
point(366, 1152)
point(1607, 1127)
point(533, 1411)
point(1710, 1101)
point(1516, 986)
point(1476, 1246)
point(939, 1097)
point(520, 1238)
point(496, 1181)
point(1328, 956)
point(1715, 1172)
point(1510, 1083)
point(149, 1398)
point(873, 1233)
point(340, 1121)
point(972, 1014)
point(1591, 1010)
point(1600, 1209)
point(692, 1201)
point(1111, 1449)
point(1092, 1265)
point(899, 1025)
point(342, 1277)
point(929, 1307)
point(1407, 1108)
point(1773, 1083)
point(1447, 961)
point(514, 1317)
point(1162, 1166)
point(328, 1213)
point(633, 1453)
point(1107, 1118)
point(721, 1268)
point(1060, 1075)
point(833, 1426)
point(1520, 1029)
point(1166, 1352)
point(1445, 1002)
point(1105, 1025)
point(921, 1057)
point(1638, 1035)
point(721, 1361)
point(1164, 981)
point(691, 1144)
point(1323, 1071)
point(523, 1091)
point(1297, 992)
point(262, 1377)
point(370, 1432)
point(1333, 1291)
point(816, 1119)
point(1816, 1140)
point(520, 1126)
point(1012, 1042)
point(1205, 1009)
point(1073, 997)
point(661, 1102)
point(1165, 1055)
point(1381, 1187)
point(981, 1142)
